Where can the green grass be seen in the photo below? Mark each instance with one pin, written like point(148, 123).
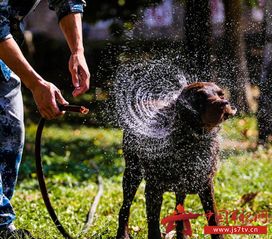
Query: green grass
point(68, 154)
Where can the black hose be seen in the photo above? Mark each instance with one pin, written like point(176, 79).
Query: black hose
point(40, 175)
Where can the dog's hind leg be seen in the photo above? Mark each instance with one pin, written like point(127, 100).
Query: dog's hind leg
point(154, 199)
point(131, 181)
point(208, 202)
point(180, 197)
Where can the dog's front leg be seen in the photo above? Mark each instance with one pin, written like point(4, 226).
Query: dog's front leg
point(208, 203)
point(180, 197)
point(153, 208)
point(131, 181)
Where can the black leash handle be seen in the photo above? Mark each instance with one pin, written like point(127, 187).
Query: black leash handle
point(39, 167)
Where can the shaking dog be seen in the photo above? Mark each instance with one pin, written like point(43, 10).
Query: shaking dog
point(189, 164)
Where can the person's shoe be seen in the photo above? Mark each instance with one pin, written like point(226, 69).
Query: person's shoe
point(16, 234)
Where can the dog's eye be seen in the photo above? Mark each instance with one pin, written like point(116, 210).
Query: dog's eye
point(220, 94)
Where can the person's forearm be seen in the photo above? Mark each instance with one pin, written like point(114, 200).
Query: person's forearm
point(11, 54)
point(45, 94)
point(71, 26)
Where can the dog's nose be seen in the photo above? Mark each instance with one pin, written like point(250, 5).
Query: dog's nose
point(224, 102)
point(229, 111)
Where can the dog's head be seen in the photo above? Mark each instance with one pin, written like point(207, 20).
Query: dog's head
point(205, 104)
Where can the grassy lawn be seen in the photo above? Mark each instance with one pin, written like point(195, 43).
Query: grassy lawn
point(71, 179)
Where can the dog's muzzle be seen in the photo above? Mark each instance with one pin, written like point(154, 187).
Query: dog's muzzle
point(229, 110)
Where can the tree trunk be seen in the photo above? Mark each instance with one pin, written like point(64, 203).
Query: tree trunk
point(198, 35)
point(264, 114)
point(236, 67)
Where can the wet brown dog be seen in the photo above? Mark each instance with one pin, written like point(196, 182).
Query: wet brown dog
point(189, 164)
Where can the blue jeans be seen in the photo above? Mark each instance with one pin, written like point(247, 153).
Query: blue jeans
point(11, 140)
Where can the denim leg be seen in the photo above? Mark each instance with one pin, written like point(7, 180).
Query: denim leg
point(11, 142)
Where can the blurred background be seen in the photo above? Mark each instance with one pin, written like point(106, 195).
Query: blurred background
point(229, 42)
point(218, 41)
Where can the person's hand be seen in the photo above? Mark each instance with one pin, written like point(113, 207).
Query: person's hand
point(80, 73)
point(46, 96)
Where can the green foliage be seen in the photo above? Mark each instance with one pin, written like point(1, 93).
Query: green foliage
point(240, 128)
point(252, 3)
point(68, 153)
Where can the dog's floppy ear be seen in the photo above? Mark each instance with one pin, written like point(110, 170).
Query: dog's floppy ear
point(187, 108)
point(193, 97)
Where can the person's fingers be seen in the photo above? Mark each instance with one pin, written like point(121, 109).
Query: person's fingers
point(51, 112)
point(60, 99)
point(78, 87)
point(46, 96)
point(80, 74)
point(76, 81)
point(84, 83)
point(74, 73)
point(45, 113)
point(44, 110)
point(77, 91)
point(52, 108)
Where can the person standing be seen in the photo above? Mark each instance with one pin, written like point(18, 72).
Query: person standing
point(14, 69)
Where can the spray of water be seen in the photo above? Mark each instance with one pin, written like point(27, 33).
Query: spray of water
point(143, 90)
